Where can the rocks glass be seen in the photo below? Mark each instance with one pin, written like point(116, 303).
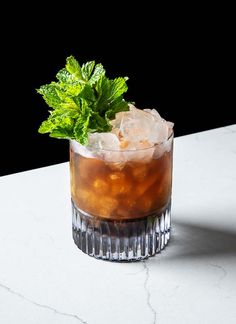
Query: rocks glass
point(121, 200)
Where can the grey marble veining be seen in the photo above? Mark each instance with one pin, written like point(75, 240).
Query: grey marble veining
point(45, 278)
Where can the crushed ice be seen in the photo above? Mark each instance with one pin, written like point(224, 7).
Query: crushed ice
point(134, 136)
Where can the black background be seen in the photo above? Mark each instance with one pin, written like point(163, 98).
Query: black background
point(179, 62)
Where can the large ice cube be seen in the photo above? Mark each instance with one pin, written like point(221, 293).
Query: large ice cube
point(134, 136)
point(105, 141)
point(81, 149)
point(170, 128)
point(106, 146)
point(154, 113)
point(159, 132)
point(138, 126)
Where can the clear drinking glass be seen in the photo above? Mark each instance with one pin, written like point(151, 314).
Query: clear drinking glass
point(121, 200)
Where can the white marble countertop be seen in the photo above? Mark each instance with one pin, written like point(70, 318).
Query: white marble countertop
point(45, 278)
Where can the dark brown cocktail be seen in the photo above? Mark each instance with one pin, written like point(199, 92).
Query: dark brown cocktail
point(120, 163)
point(121, 199)
point(133, 189)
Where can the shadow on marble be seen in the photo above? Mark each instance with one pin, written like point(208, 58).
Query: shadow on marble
point(194, 241)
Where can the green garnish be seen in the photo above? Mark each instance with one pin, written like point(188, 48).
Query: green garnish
point(83, 101)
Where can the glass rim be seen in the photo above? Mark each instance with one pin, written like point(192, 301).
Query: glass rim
point(90, 148)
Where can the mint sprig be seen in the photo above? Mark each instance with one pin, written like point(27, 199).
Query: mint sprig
point(82, 101)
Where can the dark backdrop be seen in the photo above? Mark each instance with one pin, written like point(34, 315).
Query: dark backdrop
point(180, 65)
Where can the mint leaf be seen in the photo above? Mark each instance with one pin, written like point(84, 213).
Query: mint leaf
point(86, 93)
point(73, 67)
point(50, 95)
point(82, 124)
point(65, 77)
point(87, 70)
point(110, 93)
point(98, 73)
point(99, 123)
point(83, 100)
point(60, 123)
point(118, 87)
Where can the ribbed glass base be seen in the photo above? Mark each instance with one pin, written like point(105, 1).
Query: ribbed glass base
point(128, 240)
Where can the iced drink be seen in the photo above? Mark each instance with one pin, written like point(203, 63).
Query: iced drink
point(120, 163)
point(121, 188)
